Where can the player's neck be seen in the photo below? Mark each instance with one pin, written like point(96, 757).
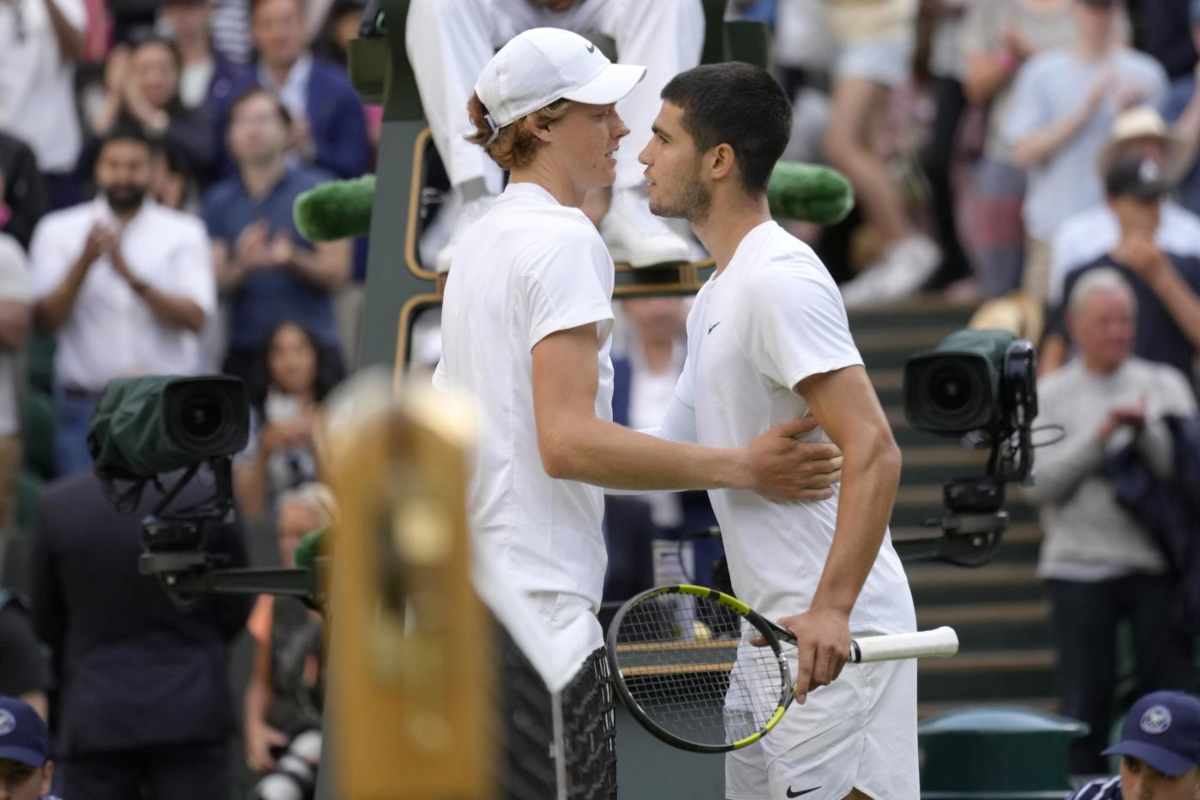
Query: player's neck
point(555, 182)
point(727, 223)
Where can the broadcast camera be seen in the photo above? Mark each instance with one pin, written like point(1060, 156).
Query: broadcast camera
point(978, 386)
point(164, 430)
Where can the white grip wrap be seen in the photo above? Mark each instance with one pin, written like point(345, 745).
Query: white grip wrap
point(938, 643)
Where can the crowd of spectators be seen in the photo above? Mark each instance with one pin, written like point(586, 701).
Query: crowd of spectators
point(150, 154)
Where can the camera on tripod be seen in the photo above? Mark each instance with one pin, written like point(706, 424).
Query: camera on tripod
point(164, 430)
point(979, 386)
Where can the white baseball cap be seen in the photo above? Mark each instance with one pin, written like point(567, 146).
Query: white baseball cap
point(542, 65)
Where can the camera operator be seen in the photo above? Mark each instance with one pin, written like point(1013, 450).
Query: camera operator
point(1099, 562)
point(144, 695)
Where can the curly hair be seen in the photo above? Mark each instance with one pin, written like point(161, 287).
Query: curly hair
point(514, 146)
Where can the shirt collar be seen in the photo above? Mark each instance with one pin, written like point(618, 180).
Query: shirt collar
point(294, 86)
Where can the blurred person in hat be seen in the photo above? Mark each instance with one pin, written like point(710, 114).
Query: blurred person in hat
point(26, 769)
point(1181, 107)
point(1165, 281)
point(1159, 750)
point(1139, 131)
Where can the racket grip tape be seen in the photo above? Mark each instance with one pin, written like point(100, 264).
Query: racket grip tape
point(937, 643)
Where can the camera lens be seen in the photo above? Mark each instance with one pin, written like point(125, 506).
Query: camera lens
point(202, 417)
point(949, 388)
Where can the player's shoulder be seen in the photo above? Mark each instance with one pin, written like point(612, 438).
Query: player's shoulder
point(1099, 789)
point(783, 264)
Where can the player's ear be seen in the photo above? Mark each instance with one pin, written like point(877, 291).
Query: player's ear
point(538, 126)
point(721, 161)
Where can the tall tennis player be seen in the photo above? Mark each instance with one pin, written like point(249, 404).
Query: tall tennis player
point(768, 341)
point(526, 330)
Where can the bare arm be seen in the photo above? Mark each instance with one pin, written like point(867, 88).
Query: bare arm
point(70, 40)
point(229, 272)
point(328, 266)
point(575, 444)
point(1186, 131)
point(175, 310)
point(845, 404)
point(987, 73)
point(14, 324)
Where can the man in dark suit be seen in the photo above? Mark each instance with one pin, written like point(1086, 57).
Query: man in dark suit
point(144, 700)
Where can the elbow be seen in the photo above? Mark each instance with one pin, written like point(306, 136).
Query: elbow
point(1025, 155)
point(556, 457)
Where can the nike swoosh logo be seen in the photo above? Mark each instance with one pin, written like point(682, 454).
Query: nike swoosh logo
point(715, 324)
point(591, 48)
point(790, 793)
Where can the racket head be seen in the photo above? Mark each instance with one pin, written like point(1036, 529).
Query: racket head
point(681, 667)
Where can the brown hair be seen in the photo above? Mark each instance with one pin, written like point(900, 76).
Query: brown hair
point(515, 146)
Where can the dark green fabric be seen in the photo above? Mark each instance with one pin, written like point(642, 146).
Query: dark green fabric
point(809, 193)
point(37, 433)
point(127, 437)
point(335, 210)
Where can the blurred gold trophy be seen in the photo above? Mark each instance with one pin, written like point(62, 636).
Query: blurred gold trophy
point(410, 653)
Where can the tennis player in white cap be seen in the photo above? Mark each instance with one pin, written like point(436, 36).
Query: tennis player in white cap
point(526, 329)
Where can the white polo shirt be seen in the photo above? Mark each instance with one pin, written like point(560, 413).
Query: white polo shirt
point(526, 269)
point(37, 85)
point(771, 319)
point(111, 332)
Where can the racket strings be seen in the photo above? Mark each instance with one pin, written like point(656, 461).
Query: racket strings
point(684, 662)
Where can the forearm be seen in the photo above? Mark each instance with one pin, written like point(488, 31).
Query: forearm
point(174, 310)
point(327, 269)
point(14, 328)
point(606, 454)
point(869, 482)
point(1042, 144)
point(52, 310)
point(1186, 131)
point(986, 75)
point(70, 41)
point(1182, 303)
point(1061, 469)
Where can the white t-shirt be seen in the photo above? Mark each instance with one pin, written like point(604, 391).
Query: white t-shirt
point(111, 332)
point(37, 85)
point(772, 318)
point(526, 269)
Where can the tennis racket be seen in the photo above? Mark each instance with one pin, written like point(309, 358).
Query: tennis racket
point(677, 665)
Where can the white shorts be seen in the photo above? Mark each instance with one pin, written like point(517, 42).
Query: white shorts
point(859, 732)
point(886, 61)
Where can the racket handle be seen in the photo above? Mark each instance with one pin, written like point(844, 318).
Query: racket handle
point(938, 643)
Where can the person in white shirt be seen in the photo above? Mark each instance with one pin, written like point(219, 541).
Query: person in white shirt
point(124, 284)
point(448, 43)
point(526, 330)
point(40, 42)
point(768, 340)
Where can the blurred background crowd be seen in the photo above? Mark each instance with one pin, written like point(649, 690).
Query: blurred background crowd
point(1043, 152)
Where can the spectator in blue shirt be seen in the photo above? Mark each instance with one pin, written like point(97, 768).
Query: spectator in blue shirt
point(268, 271)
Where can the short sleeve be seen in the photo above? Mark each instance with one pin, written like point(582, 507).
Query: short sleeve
point(562, 286)
point(797, 326)
point(210, 212)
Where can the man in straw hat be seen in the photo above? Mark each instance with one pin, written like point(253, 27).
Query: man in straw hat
point(526, 329)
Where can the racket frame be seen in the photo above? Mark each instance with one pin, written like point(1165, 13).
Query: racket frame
point(769, 631)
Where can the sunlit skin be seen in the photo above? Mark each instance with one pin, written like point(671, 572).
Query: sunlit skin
point(156, 73)
point(1103, 329)
point(1140, 781)
point(580, 152)
point(292, 362)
